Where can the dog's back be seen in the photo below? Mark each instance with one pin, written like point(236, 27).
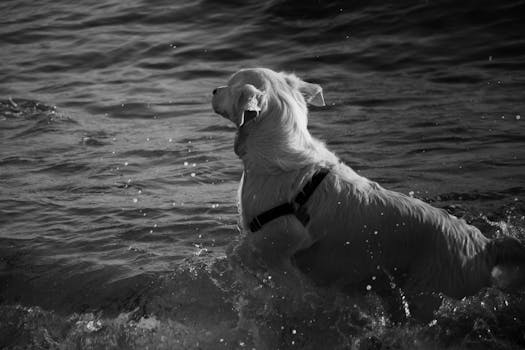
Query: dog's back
point(369, 231)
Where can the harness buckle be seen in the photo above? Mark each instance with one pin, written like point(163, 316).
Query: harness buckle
point(302, 215)
point(301, 197)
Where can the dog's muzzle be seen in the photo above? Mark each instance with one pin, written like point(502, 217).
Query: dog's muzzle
point(217, 97)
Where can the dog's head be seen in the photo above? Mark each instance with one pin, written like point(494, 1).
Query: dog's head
point(253, 94)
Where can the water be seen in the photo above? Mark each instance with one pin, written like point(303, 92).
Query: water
point(118, 183)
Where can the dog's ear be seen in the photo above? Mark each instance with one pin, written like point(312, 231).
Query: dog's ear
point(250, 102)
point(313, 93)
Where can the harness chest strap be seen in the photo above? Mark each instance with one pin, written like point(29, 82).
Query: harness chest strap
point(296, 207)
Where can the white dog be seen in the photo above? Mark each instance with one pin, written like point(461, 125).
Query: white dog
point(299, 201)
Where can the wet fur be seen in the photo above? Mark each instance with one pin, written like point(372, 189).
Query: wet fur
point(358, 230)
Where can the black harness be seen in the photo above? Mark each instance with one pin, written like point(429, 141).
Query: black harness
point(296, 207)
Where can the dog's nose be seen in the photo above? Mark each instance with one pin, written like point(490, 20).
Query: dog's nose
point(214, 91)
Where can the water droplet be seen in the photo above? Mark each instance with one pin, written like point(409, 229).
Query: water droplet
point(126, 164)
point(411, 193)
point(376, 232)
point(193, 174)
point(170, 140)
point(294, 331)
point(135, 200)
point(139, 191)
point(518, 117)
point(185, 163)
point(368, 287)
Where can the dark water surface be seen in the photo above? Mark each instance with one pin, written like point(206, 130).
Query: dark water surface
point(118, 183)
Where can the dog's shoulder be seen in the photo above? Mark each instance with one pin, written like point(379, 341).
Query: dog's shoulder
point(344, 180)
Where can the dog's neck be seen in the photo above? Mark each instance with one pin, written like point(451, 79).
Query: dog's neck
point(271, 148)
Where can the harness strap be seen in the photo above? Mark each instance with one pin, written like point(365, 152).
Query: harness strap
point(296, 207)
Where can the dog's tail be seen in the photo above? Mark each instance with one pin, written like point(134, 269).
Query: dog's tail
point(508, 261)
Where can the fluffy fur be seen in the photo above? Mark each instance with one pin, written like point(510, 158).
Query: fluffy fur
point(358, 230)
